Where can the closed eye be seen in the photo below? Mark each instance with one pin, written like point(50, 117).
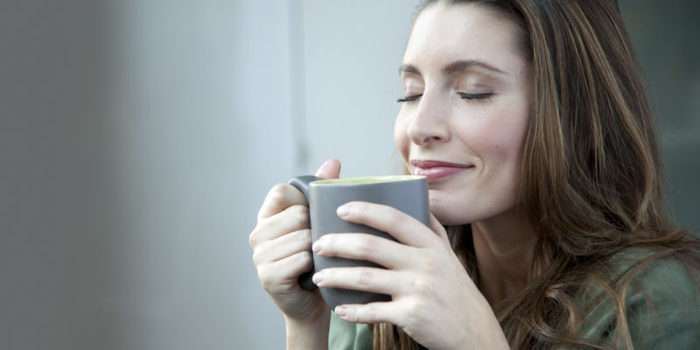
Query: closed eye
point(479, 96)
point(409, 98)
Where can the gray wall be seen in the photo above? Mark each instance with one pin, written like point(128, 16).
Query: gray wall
point(665, 34)
point(138, 138)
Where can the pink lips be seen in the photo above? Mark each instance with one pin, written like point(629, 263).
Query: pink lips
point(436, 170)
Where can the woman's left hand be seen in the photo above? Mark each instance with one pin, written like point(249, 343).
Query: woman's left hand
point(433, 298)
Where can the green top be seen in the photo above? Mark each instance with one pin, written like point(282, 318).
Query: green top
point(344, 335)
point(662, 306)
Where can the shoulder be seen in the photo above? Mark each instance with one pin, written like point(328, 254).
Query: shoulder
point(650, 296)
point(658, 274)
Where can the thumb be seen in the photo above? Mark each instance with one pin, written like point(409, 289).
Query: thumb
point(329, 170)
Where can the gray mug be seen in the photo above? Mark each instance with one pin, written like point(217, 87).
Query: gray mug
point(406, 193)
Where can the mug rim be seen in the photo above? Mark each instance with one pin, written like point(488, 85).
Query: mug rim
point(366, 180)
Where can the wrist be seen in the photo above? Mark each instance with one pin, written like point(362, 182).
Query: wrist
point(308, 334)
point(482, 332)
point(491, 334)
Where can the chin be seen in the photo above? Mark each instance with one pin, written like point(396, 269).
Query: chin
point(444, 215)
point(451, 213)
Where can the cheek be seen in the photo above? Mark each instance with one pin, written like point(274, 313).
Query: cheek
point(507, 136)
point(505, 150)
point(490, 139)
point(506, 147)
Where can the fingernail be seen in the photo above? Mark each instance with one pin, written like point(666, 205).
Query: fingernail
point(341, 310)
point(343, 210)
point(316, 247)
point(317, 277)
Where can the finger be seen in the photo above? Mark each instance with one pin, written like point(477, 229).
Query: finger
point(291, 219)
point(362, 246)
point(399, 225)
point(368, 279)
point(398, 311)
point(437, 227)
point(283, 275)
point(282, 247)
point(367, 313)
point(329, 170)
point(279, 198)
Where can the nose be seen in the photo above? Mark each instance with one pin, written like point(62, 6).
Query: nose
point(429, 124)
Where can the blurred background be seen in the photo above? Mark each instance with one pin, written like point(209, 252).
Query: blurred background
point(139, 137)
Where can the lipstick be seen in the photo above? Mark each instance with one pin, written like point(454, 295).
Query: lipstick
point(436, 170)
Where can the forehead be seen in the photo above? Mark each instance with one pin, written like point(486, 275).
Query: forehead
point(446, 33)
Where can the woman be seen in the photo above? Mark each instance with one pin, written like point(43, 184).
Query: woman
point(531, 122)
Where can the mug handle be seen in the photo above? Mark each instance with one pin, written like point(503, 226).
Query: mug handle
point(302, 183)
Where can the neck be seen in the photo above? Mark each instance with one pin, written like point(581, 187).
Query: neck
point(503, 247)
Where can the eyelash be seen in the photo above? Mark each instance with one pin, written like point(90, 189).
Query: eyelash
point(463, 95)
point(408, 98)
point(480, 96)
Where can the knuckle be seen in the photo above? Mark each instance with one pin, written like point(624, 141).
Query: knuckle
point(332, 242)
point(305, 237)
point(429, 264)
point(366, 245)
point(421, 287)
point(277, 195)
point(395, 218)
point(278, 192)
point(258, 257)
point(257, 236)
point(265, 277)
point(413, 309)
point(365, 277)
point(253, 239)
point(300, 215)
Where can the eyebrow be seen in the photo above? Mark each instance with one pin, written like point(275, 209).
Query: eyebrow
point(452, 68)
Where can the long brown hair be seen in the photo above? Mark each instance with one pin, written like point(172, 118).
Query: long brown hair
point(592, 179)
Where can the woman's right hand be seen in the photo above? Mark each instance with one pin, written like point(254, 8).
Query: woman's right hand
point(281, 243)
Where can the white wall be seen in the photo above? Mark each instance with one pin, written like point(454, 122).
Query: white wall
point(353, 50)
point(138, 139)
point(202, 130)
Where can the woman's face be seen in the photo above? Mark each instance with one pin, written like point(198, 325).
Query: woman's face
point(468, 92)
